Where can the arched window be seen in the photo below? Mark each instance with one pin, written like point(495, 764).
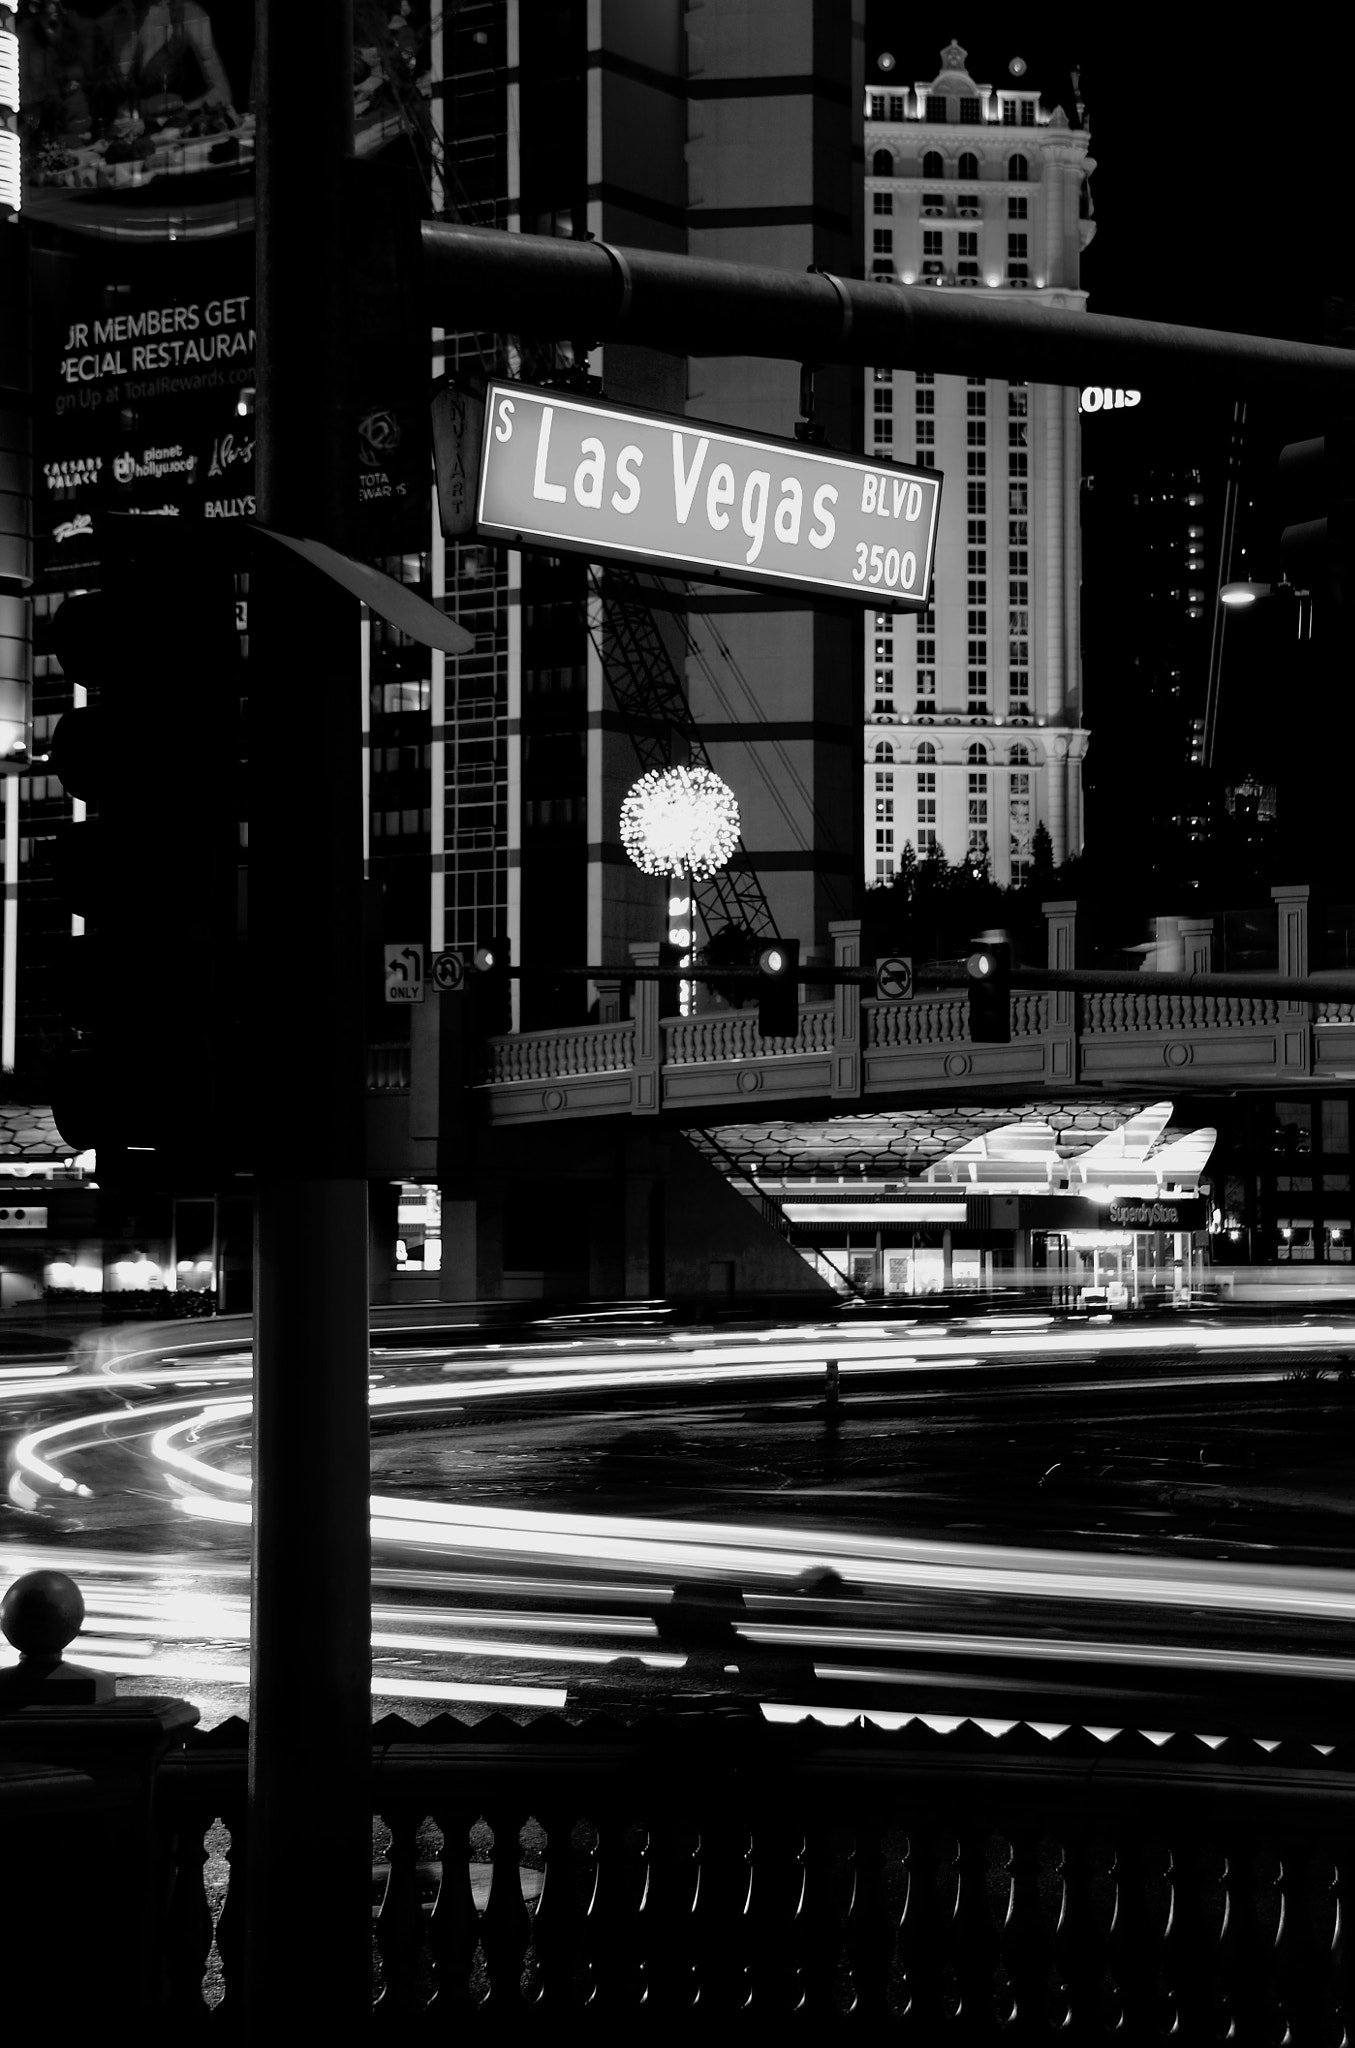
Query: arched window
point(1020, 756)
point(926, 753)
point(978, 755)
point(882, 164)
point(884, 751)
point(1018, 170)
point(933, 164)
point(969, 167)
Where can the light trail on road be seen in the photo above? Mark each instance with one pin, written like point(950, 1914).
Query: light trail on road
point(192, 1426)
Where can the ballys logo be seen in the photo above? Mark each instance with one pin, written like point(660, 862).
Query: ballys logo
point(378, 438)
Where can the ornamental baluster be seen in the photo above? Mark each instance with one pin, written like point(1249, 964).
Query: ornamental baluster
point(563, 1933)
point(1026, 1939)
point(188, 1923)
point(872, 1930)
point(675, 1879)
point(1260, 1897)
point(975, 1942)
point(453, 1931)
point(1303, 1953)
point(774, 1920)
point(1138, 1933)
point(1192, 1953)
point(830, 1885)
point(1082, 1941)
point(399, 1923)
point(230, 1921)
point(925, 1937)
point(721, 1923)
point(505, 1923)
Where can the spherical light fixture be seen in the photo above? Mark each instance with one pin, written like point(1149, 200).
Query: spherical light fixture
point(680, 821)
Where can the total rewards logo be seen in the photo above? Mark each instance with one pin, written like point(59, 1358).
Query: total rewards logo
point(154, 462)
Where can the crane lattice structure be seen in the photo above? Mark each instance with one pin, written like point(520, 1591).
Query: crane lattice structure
point(647, 687)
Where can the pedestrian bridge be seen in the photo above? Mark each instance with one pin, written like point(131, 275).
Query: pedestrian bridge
point(851, 1050)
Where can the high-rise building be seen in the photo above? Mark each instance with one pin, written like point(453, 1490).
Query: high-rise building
point(974, 733)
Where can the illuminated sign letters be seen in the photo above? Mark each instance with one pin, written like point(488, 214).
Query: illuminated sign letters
point(619, 484)
point(1102, 398)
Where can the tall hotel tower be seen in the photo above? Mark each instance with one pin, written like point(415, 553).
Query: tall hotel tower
point(974, 708)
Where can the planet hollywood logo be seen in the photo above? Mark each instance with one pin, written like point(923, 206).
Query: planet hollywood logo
point(154, 462)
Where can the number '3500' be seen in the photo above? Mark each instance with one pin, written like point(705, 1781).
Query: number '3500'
point(885, 566)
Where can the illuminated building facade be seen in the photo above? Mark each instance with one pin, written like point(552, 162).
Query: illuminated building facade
point(973, 710)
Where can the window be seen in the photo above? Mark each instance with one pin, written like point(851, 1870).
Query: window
point(968, 265)
point(931, 242)
point(1009, 113)
point(1335, 1127)
point(976, 394)
point(884, 751)
point(968, 166)
point(977, 818)
point(1018, 825)
point(976, 496)
point(926, 752)
point(976, 462)
point(935, 107)
point(1016, 208)
point(976, 702)
point(976, 433)
point(971, 113)
point(978, 753)
point(1020, 756)
point(1016, 256)
point(926, 806)
point(882, 241)
point(882, 202)
point(1018, 170)
point(926, 665)
point(882, 164)
point(978, 562)
point(1027, 113)
point(933, 205)
point(933, 164)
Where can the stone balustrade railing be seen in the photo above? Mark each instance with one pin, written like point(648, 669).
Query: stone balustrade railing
point(1120, 1010)
point(549, 1055)
point(733, 1035)
point(857, 1047)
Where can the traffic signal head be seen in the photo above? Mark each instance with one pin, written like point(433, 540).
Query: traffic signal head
point(489, 990)
point(990, 983)
point(778, 989)
point(150, 1076)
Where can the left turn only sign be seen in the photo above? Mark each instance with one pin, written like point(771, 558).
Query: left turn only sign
point(404, 974)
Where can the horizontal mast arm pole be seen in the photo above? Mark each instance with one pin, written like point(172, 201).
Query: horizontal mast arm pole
point(494, 282)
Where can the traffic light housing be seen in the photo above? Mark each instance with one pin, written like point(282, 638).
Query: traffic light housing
point(1317, 490)
point(150, 1078)
point(778, 989)
point(990, 987)
point(489, 993)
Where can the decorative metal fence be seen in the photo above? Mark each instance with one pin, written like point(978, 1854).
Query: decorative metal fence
point(914, 1886)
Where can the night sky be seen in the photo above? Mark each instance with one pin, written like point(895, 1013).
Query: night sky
point(1217, 188)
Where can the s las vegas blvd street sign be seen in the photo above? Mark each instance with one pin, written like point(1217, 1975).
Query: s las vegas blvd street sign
point(621, 484)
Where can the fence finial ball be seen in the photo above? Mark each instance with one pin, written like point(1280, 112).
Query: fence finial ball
point(41, 1613)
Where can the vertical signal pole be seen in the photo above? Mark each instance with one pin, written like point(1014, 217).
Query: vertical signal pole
point(308, 1937)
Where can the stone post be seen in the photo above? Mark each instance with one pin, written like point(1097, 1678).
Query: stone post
point(1296, 1017)
point(84, 1764)
point(1197, 944)
point(1061, 955)
point(847, 1073)
point(647, 1097)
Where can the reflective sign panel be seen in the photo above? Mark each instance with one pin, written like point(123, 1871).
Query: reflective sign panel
point(620, 484)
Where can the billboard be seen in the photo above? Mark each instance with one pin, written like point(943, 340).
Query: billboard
point(617, 483)
point(143, 372)
point(136, 117)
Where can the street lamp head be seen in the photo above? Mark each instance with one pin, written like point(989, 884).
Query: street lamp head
point(1236, 595)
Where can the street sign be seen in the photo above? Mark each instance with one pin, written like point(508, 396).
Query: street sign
point(620, 484)
point(894, 977)
point(404, 974)
point(448, 972)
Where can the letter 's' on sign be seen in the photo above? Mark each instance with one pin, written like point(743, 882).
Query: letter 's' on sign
point(622, 485)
